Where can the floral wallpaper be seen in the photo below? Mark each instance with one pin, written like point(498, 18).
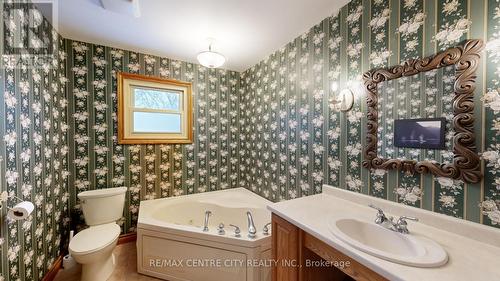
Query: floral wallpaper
point(149, 171)
point(34, 153)
point(295, 140)
point(271, 129)
point(491, 99)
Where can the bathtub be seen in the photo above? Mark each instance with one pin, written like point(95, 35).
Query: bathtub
point(172, 245)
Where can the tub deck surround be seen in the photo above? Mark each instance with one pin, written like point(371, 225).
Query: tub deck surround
point(181, 214)
point(473, 249)
point(172, 229)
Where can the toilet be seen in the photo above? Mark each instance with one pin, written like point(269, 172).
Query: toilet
point(93, 246)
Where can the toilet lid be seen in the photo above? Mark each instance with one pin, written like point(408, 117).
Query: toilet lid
point(94, 238)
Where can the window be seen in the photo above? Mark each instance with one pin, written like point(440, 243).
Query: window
point(153, 110)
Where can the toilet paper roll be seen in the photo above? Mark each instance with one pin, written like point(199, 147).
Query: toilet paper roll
point(68, 262)
point(21, 211)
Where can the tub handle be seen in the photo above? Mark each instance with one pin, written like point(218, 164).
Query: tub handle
point(220, 229)
point(265, 229)
point(237, 230)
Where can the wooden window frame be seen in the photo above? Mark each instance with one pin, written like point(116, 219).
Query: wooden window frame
point(126, 109)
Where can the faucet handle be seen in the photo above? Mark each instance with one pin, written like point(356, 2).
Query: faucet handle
point(376, 208)
point(381, 218)
point(237, 230)
point(402, 219)
point(220, 229)
point(265, 229)
point(401, 224)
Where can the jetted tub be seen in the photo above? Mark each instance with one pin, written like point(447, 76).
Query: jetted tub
point(172, 245)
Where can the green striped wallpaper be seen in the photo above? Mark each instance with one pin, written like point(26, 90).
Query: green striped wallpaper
point(34, 153)
point(149, 171)
point(270, 129)
point(297, 142)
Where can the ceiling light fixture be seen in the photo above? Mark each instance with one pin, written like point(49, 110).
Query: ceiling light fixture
point(130, 7)
point(210, 58)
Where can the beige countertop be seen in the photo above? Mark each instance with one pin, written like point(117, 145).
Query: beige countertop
point(473, 249)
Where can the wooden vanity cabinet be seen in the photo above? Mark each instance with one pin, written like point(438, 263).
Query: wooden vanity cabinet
point(285, 248)
point(300, 256)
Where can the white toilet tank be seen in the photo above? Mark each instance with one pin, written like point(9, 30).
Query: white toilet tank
point(102, 206)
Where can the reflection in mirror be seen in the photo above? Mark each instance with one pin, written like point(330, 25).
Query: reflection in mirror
point(411, 97)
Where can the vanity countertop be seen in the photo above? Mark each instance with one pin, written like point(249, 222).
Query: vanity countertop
point(468, 259)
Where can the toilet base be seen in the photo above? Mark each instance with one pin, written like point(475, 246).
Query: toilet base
point(100, 270)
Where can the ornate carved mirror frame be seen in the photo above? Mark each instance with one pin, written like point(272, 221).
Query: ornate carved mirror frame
point(466, 164)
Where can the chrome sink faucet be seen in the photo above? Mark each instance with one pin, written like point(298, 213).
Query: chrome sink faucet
point(207, 215)
point(400, 225)
point(380, 218)
point(252, 231)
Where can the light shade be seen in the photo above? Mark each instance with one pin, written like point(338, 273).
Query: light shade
point(345, 100)
point(211, 59)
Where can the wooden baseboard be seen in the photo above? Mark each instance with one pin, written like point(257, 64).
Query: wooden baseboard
point(127, 238)
point(52, 272)
point(57, 265)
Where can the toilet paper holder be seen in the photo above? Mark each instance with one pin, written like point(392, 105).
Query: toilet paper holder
point(4, 199)
point(20, 200)
point(15, 212)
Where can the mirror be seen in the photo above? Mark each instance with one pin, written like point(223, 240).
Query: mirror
point(416, 97)
point(410, 91)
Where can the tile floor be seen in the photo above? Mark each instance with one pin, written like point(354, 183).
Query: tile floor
point(126, 267)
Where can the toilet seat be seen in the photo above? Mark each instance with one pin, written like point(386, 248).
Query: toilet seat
point(94, 238)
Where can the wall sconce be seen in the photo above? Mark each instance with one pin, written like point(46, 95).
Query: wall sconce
point(344, 100)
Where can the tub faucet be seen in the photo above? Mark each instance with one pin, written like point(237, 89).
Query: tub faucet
point(251, 226)
point(207, 215)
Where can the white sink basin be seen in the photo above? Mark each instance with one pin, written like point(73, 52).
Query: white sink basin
point(407, 249)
